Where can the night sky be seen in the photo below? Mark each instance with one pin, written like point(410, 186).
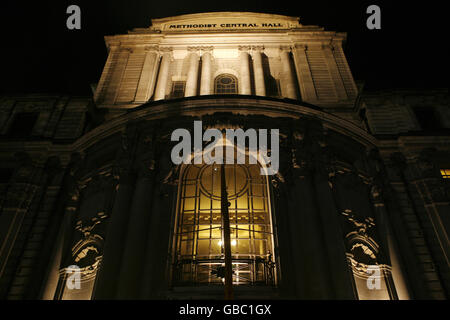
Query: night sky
point(40, 55)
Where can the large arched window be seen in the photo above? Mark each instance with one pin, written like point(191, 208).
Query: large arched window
point(199, 246)
point(226, 84)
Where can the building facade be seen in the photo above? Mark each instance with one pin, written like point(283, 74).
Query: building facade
point(92, 206)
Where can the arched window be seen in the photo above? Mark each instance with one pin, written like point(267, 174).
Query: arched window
point(226, 84)
point(199, 250)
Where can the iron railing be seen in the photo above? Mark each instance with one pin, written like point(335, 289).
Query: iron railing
point(208, 271)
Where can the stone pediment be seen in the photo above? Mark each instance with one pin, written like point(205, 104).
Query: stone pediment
point(225, 21)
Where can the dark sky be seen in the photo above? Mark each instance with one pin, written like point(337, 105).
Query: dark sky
point(39, 54)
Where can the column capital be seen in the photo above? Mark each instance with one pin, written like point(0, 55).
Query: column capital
point(129, 49)
point(113, 47)
point(151, 48)
point(301, 46)
point(257, 48)
point(166, 52)
point(194, 53)
point(327, 46)
point(285, 48)
point(163, 50)
point(193, 49)
point(206, 49)
point(244, 48)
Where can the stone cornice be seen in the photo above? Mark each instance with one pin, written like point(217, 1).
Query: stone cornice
point(413, 144)
point(196, 106)
point(224, 40)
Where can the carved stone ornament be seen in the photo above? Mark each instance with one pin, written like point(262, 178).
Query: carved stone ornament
point(86, 226)
point(361, 226)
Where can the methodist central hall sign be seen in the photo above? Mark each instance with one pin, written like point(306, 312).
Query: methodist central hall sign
point(227, 25)
point(225, 21)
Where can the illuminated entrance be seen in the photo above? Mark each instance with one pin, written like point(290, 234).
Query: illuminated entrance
point(199, 247)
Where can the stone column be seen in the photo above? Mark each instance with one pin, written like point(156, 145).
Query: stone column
point(148, 76)
point(136, 241)
point(205, 82)
point(260, 87)
point(108, 275)
point(244, 83)
point(111, 78)
point(283, 239)
point(341, 279)
point(400, 290)
point(304, 76)
point(307, 233)
point(70, 211)
point(163, 76)
point(154, 280)
point(192, 76)
point(334, 71)
point(289, 80)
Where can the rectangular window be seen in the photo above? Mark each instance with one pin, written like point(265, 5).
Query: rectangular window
point(178, 89)
point(445, 173)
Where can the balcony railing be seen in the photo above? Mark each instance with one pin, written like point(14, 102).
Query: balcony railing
point(246, 271)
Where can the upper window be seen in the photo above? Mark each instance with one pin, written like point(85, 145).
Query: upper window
point(226, 84)
point(178, 89)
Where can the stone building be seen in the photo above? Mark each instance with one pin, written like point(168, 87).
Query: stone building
point(89, 191)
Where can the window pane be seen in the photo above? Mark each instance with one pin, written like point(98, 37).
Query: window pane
point(216, 232)
point(203, 247)
point(243, 246)
point(204, 233)
point(243, 231)
point(178, 89)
